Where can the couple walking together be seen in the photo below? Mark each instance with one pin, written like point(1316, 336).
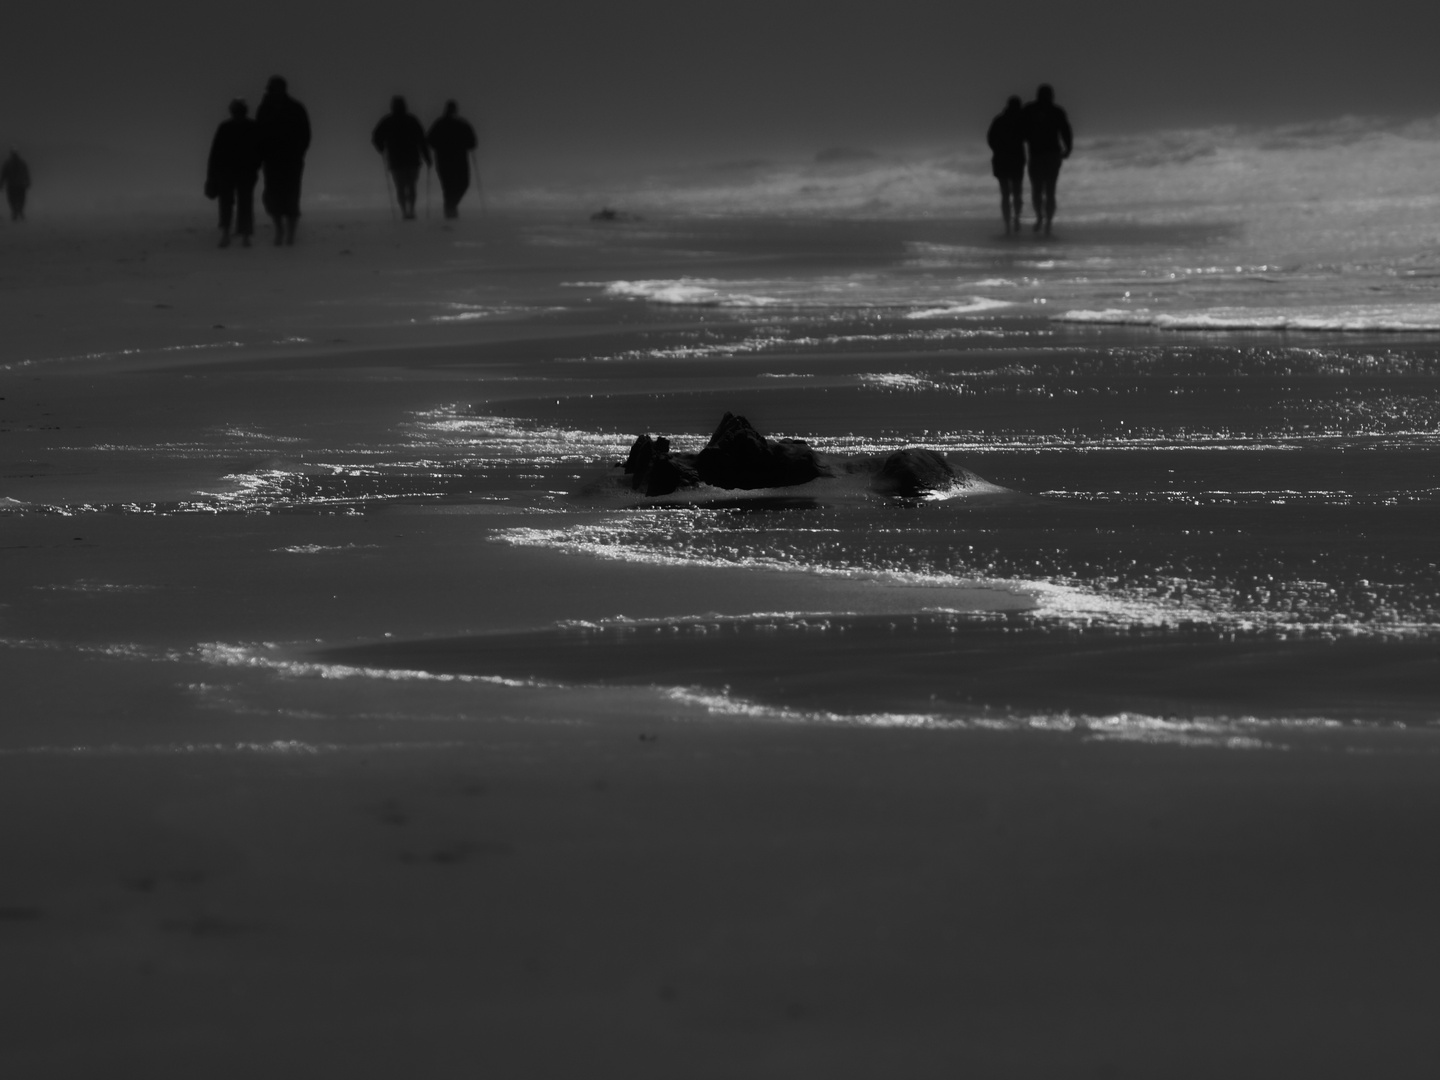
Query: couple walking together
point(1036, 135)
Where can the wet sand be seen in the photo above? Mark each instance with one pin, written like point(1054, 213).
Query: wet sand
point(657, 898)
point(232, 847)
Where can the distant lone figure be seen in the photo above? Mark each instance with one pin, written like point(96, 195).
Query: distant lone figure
point(284, 139)
point(1007, 161)
point(401, 139)
point(453, 140)
point(234, 167)
point(15, 179)
point(1048, 141)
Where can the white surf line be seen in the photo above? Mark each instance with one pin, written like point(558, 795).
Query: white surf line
point(221, 654)
point(1237, 733)
point(1394, 319)
point(157, 350)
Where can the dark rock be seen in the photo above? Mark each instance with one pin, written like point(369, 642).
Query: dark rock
point(642, 453)
point(738, 456)
point(671, 473)
point(913, 471)
point(653, 470)
point(794, 462)
point(735, 455)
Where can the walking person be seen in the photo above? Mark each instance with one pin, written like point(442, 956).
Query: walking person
point(401, 140)
point(453, 141)
point(1048, 142)
point(284, 139)
point(233, 169)
point(15, 179)
point(1007, 161)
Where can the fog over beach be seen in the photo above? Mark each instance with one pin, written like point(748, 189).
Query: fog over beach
point(1057, 695)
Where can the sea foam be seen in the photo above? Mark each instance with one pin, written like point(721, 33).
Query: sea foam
point(1392, 318)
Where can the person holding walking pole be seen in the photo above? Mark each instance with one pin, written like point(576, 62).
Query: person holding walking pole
point(401, 141)
point(454, 142)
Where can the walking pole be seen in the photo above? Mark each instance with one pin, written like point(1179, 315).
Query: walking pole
point(427, 191)
point(390, 198)
point(479, 187)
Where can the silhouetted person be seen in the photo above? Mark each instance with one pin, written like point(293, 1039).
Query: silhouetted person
point(284, 138)
point(1048, 142)
point(1007, 161)
point(15, 179)
point(452, 139)
point(401, 139)
point(234, 167)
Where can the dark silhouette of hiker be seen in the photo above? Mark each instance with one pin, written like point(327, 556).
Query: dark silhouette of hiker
point(1048, 142)
point(284, 138)
point(15, 179)
point(1007, 161)
point(401, 139)
point(233, 169)
point(453, 140)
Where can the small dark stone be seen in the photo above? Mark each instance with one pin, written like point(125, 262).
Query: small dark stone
point(453, 854)
point(209, 926)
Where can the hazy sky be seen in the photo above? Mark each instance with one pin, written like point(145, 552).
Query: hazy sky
point(576, 84)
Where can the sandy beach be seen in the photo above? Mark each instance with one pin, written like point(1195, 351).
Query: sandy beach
point(645, 897)
point(359, 720)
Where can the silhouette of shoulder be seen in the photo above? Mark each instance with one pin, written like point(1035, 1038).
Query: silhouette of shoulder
point(284, 124)
point(1046, 128)
point(451, 134)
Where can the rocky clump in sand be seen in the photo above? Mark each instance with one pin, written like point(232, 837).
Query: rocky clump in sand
point(739, 457)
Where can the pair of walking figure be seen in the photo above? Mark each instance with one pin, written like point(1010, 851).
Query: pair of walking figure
point(274, 144)
point(405, 144)
point(1034, 136)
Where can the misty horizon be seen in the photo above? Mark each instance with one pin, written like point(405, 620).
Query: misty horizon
point(561, 91)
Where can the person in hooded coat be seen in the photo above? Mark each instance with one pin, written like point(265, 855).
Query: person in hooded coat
point(284, 140)
point(453, 140)
point(1007, 148)
point(233, 169)
point(401, 139)
point(15, 179)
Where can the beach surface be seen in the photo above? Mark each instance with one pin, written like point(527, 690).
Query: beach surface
point(361, 718)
